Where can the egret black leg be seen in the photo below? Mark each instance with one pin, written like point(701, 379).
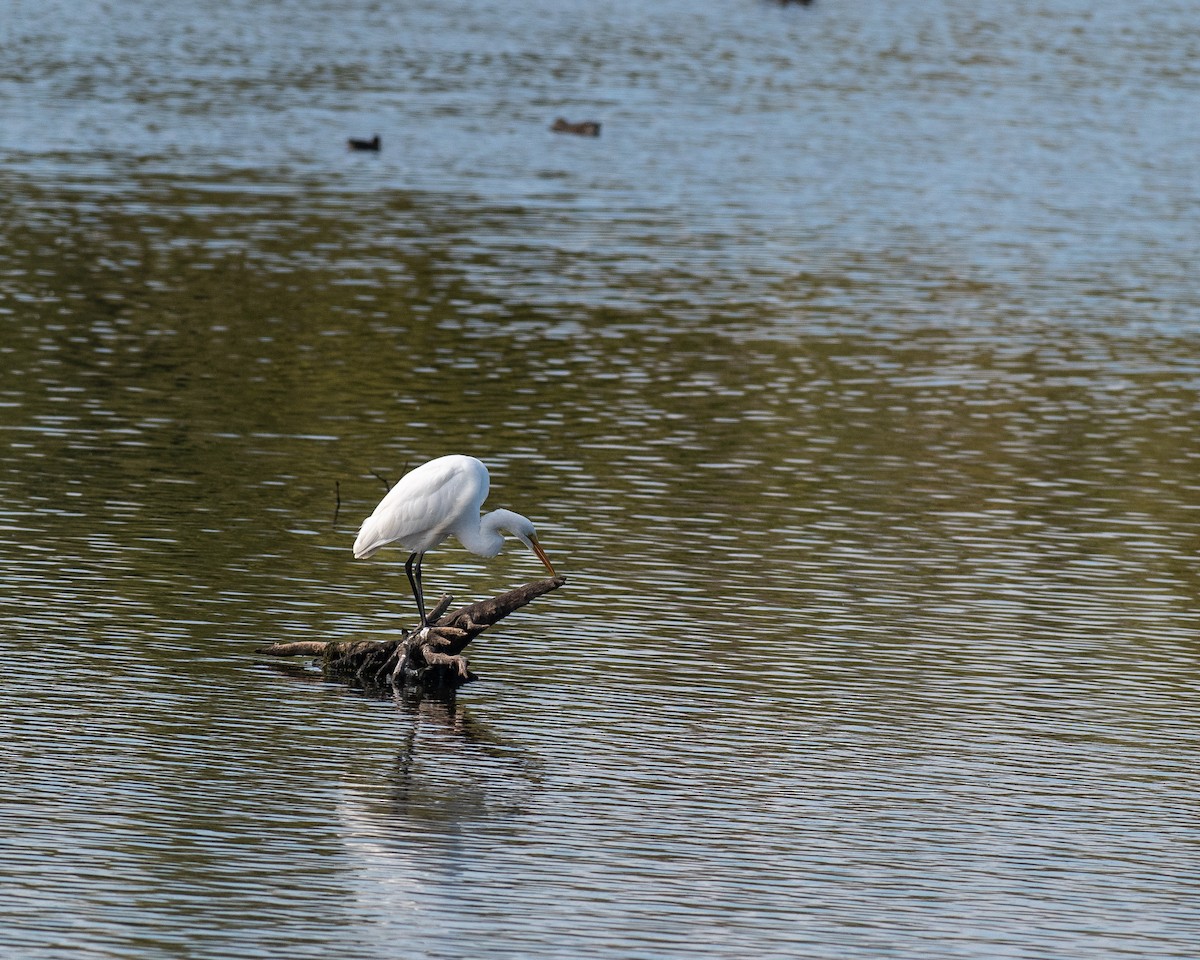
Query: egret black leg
point(413, 568)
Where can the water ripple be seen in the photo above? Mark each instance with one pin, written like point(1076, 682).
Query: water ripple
point(850, 376)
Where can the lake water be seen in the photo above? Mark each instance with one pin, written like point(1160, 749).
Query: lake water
point(852, 376)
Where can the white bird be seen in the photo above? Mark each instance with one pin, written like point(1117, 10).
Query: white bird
point(433, 501)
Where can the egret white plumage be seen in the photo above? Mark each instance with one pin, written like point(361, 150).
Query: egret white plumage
point(434, 501)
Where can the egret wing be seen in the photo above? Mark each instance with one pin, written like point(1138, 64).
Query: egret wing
point(425, 506)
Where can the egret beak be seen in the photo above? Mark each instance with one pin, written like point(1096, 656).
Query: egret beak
point(541, 555)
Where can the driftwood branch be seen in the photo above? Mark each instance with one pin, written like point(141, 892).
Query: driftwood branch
point(428, 658)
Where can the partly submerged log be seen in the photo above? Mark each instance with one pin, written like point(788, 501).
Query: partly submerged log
point(428, 658)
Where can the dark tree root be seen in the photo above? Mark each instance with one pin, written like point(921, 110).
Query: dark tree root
point(428, 659)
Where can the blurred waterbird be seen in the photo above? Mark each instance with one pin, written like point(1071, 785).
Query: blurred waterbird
point(357, 144)
point(585, 128)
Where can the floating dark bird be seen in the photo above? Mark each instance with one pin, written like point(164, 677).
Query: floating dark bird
point(587, 128)
point(357, 144)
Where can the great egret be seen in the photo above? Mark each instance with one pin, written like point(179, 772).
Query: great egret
point(433, 501)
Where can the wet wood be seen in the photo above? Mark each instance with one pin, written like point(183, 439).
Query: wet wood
point(428, 659)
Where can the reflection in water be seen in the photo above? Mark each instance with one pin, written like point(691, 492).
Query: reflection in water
point(413, 834)
point(429, 784)
point(451, 770)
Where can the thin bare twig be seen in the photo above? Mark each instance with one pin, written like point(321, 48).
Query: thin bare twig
point(382, 479)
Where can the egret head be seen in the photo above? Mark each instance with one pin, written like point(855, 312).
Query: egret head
point(522, 528)
point(531, 542)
